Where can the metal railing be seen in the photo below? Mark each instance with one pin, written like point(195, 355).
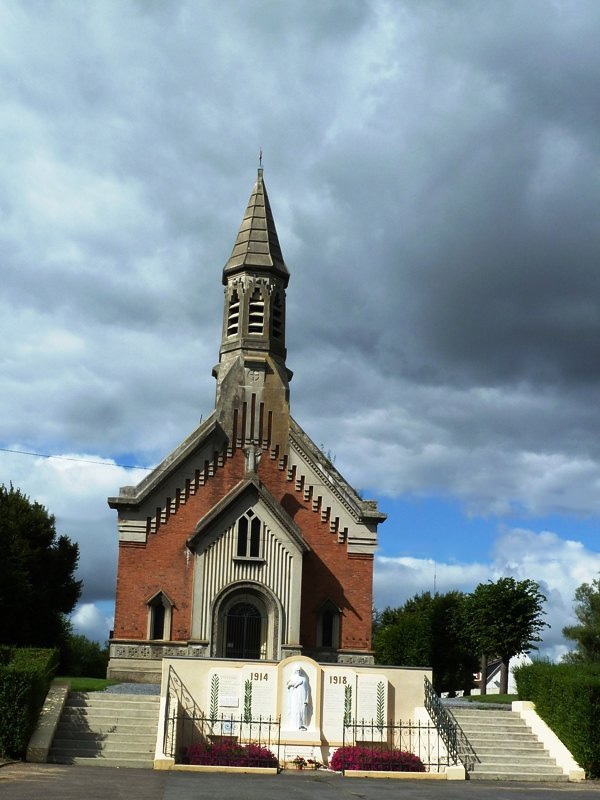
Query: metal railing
point(457, 744)
point(391, 746)
point(191, 736)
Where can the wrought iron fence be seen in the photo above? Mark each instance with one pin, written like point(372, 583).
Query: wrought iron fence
point(457, 744)
point(194, 737)
point(391, 746)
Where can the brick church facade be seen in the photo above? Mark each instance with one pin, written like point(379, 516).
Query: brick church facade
point(245, 542)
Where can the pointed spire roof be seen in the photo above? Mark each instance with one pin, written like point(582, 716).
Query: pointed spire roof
point(257, 246)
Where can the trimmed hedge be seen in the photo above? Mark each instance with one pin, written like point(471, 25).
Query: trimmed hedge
point(25, 675)
point(567, 698)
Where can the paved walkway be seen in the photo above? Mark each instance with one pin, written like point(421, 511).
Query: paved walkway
point(53, 782)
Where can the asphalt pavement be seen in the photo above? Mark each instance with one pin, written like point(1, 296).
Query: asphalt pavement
point(53, 782)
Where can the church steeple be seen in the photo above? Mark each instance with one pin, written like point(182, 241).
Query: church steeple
point(255, 279)
point(257, 244)
point(252, 379)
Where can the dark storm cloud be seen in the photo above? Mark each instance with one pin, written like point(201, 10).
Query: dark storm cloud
point(433, 171)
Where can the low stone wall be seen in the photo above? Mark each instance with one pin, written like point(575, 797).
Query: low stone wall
point(41, 740)
point(141, 662)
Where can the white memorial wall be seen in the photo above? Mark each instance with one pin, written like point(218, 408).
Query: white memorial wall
point(312, 700)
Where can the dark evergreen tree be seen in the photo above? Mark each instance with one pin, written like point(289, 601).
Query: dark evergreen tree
point(37, 584)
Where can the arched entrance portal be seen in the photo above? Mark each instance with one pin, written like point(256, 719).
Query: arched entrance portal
point(246, 624)
point(243, 623)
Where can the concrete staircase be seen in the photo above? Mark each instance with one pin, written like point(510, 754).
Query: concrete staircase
point(111, 730)
point(506, 747)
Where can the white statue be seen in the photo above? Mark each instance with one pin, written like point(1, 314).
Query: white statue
point(298, 699)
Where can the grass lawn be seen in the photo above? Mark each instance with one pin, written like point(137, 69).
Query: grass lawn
point(506, 699)
point(87, 684)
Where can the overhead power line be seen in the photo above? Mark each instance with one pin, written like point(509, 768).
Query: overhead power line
point(72, 458)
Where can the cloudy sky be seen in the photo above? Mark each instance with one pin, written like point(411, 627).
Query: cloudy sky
point(434, 171)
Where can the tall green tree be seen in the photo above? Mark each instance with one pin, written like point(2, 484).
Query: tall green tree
point(428, 630)
point(504, 618)
point(37, 583)
point(586, 635)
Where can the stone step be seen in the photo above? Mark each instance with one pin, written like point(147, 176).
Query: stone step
point(121, 708)
point(107, 730)
point(530, 749)
point(489, 712)
point(106, 718)
point(68, 734)
point(484, 737)
point(505, 721)
point(60, 747)
point(99, 761)
point(523, 766)
point(505, 775)
point(476, 724)
point(506, 747)
point(485, 734)
point(477, 713)
point(106, 727)
point(494, 724)
point(502, 758)
point(107, 701)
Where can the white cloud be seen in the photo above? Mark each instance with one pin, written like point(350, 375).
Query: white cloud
point(559, 566)
point(89, 621)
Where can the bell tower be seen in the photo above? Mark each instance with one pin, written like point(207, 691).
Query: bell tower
point(252, 396)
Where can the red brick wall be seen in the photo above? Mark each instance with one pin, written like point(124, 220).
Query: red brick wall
point(162, 564)
point(329, 573)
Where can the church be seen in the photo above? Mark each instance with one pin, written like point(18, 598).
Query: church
point(245, 542)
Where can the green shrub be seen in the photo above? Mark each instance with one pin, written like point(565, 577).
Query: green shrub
point(25, 676)
point(357, 757)
point(567, 698)
point(82, 657)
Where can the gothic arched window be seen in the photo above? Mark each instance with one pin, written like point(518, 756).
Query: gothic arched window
point(159, 617)
point(328, 626)
point(249, 538)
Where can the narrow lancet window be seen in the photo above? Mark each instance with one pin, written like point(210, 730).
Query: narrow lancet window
point(328, 626)
point(159, 617)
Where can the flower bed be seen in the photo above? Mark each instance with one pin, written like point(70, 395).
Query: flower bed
point(228, 753)
point(373, 759)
